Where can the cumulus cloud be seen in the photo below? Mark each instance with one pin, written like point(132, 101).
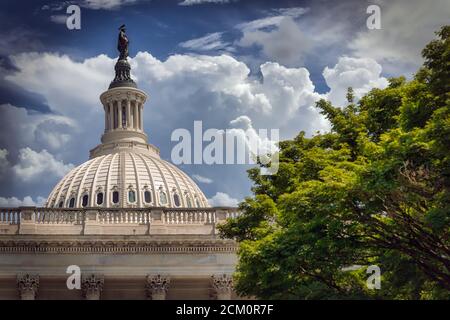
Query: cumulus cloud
point(182, 88)
point(406, 27)
point(258, 143)
point(202, 179)
point(35, 166)
point(21, 128)
point(26, 201)
point(286, 43)
point(64, 80)
point(221, 199)
point(362, 74)
point(4, 163)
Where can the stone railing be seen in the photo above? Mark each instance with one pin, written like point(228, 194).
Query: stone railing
point(9, 215)
point(123, 221)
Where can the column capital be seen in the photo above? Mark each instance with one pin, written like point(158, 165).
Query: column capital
point(92, 286)
point(222, 285)
point(157, 286)
point(28, 285)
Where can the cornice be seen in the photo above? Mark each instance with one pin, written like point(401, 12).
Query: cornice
point(111, 245)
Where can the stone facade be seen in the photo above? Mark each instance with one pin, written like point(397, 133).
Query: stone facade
point(154, 253)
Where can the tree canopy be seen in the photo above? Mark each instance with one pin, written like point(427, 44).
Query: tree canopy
point(374, 190)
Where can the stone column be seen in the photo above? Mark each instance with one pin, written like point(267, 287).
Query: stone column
point(223, 286)
point(141, 116)
point(157, 287)
point(92, 286)
point(119, 114)
point(28, 286)
point(136, 115)
point(111, 115)
point(128, 114)
point(106, 117)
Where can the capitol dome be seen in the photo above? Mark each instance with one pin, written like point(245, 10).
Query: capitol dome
point(126, 179)
point(125, 171)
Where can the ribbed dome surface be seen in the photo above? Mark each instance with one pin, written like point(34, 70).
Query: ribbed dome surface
point(126, 179)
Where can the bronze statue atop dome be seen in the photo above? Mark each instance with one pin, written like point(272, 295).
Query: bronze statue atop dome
point(122, 43)
point(122, 67)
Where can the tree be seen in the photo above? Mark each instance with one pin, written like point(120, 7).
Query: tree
point(373, 190)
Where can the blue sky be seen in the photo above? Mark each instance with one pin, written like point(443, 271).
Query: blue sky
point(242, 64)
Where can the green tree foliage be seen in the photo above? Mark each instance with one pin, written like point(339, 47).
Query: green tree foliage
point(372, 191)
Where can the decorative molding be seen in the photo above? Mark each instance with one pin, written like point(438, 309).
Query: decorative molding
point(117, 246)
point(28, 285)
point(92, 286)
point(157, 286)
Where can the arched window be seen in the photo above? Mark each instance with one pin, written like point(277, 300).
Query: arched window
point(131, 196)
point(85, 200)
point(162, 197)
point(99, 198)
point(147, 196)
point(61, 203)
point(176, 199)
point(188, 202)
point(72, 202)
point(115, 197)
point(197, 203)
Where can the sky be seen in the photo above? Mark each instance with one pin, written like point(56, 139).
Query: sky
point(237, 64)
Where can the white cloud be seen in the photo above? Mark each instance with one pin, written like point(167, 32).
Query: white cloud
point(106, 4)
point(195, 2)
point(64, 80)
point(274, 19)
point(183, 88)
point(278, 36)
point(286, 43)
point(35, 166)
point(27, 201)
point(212, 41)
point(406, 27)
point(257, 143)
point(21, 128)
point(202, 179)
point(59, 18)
point(4, 163)
point(221, 199)
point(362, 74)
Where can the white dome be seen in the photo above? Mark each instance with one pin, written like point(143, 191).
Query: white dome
point(126, 179)
point(125, 171)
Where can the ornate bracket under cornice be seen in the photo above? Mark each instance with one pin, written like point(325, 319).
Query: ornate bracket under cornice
point(223, 286)
point(28, 285)
point(92, 286)
point(157, 287)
